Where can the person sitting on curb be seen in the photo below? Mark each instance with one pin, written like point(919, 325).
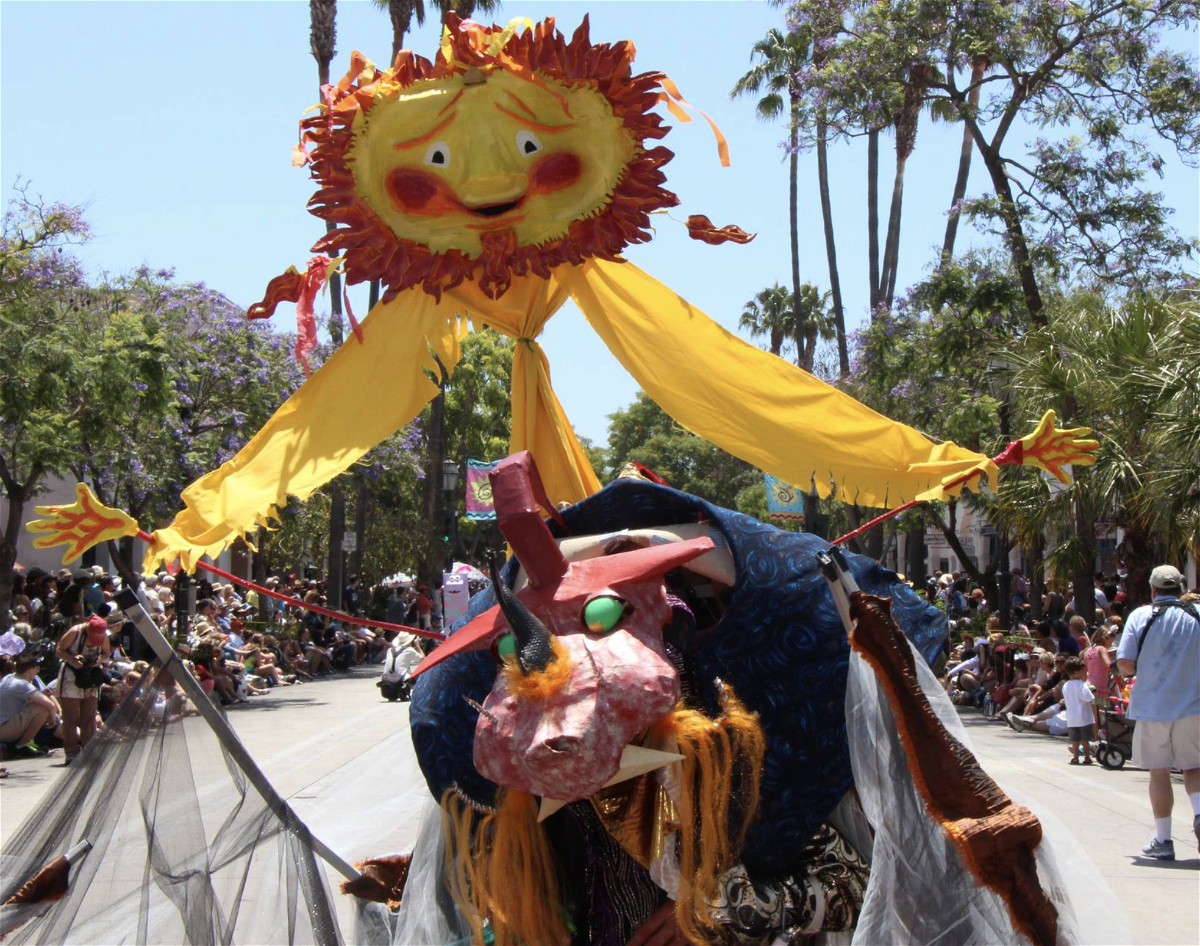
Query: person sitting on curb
point(24, 709)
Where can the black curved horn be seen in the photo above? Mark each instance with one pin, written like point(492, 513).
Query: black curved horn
point(533, 637)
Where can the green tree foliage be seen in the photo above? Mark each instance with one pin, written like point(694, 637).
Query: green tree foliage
point(644, 432)
point(1130, 369)
point(478, 421)
point(221, 379)
point(1093, 74)
point(60, 375)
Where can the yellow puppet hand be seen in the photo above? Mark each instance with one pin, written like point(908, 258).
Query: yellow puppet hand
point(1050, 448)
point(84, 523)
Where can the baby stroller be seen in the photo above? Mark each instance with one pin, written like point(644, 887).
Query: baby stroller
point(1117, 747)
point(403, 655)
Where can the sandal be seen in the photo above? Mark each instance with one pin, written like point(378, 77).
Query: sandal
point(1073, 762)
point(1087, 761)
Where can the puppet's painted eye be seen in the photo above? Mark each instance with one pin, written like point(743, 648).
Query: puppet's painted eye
point(438, 154)
point(527, 142)
point(602, 614)
point(506, 646)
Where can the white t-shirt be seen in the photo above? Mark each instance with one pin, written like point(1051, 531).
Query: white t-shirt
point(1078, 698)
point(971, 665)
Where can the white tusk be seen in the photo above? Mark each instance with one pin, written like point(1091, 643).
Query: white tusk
point(635, 761)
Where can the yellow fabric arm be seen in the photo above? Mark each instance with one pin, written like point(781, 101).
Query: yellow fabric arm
point(363, 394)
point(754, 404)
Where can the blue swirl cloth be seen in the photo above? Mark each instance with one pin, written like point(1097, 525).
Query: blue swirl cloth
point(780, 645)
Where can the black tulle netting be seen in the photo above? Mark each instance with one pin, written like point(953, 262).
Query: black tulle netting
point(176, 857)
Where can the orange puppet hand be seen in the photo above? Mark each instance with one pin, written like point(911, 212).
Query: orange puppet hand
point(1051, 448)
point(79, 526)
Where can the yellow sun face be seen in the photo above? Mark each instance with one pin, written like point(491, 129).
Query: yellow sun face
point(448, 160)
point(512, 152)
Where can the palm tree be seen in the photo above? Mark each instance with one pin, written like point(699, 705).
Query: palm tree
point(403, 12)
point(770, 313)
point(1142, 354)
point(979, 66)
point(322, 38)
point(781, 57)
point(835, 283)
point(812, 322)
point(905, 124)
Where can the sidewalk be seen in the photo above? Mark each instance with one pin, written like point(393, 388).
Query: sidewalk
point(1109, 813)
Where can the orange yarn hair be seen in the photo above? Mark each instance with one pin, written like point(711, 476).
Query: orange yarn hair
point(722, 764)
point(539, 685)
point(500, 867)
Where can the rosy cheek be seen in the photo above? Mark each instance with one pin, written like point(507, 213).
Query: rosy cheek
point(418, 193)
point(554, 172)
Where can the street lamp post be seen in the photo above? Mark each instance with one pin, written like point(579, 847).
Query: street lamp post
point(450, 520)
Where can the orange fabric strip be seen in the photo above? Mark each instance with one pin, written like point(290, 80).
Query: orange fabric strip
point(672, 91)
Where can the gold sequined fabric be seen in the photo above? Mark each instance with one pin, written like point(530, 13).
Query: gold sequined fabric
point(639, 814)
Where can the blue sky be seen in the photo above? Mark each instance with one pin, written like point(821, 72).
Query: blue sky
point(174, 122)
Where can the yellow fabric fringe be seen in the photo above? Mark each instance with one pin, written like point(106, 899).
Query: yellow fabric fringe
point(541, 684)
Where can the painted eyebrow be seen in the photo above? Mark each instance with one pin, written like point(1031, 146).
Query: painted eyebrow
point(428, 136)
point(449, 105)
point(530, 123)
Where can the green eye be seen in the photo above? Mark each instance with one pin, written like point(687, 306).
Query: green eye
point(600, 615)
point(506, 646)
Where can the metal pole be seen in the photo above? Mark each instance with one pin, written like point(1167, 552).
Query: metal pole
point(128, 602)
point(183, 606)
point(1004, 585)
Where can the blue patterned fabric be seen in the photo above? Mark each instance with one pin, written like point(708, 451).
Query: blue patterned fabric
point(780, 645)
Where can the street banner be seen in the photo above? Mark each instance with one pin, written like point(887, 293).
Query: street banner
point(479, 491)
point(783, 501)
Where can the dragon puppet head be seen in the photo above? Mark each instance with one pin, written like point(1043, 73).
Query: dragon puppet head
point(584, 669)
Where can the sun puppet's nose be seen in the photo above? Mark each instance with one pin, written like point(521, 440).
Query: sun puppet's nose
point(489, 189)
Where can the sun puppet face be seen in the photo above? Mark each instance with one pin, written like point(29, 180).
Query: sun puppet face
point(447, 161)
point(510, 154)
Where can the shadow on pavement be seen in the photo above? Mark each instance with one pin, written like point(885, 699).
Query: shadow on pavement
point(1191, 863)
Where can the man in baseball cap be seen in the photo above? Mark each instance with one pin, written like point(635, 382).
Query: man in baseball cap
point(1161, 644)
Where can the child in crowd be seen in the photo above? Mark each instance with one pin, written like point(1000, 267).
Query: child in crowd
point(1078, 697)
point(1098, 659)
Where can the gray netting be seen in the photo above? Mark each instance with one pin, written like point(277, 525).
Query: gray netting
point(178, 857)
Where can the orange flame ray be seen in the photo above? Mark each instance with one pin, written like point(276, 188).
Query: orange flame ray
point(80, 525)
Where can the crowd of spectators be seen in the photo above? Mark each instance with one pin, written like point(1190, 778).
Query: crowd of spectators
point(1051, 675)
point(68, 657)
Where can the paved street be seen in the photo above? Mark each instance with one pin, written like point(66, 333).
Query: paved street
point(1109, 812)
point(337, 738)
